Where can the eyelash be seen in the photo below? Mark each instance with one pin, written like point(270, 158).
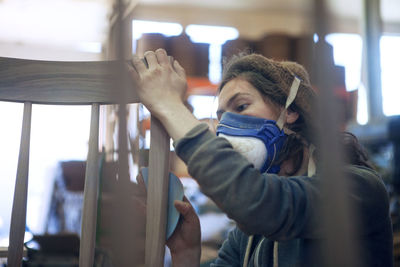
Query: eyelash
point(241, 107)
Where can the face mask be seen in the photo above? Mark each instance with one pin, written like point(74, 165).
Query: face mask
point(258, 140)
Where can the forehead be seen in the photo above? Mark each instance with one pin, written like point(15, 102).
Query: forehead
point(234, 87)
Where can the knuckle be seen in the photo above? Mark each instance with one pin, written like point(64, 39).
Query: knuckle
point(157, 71)
point(161, 51)
point(135, 58)
point(147, 53)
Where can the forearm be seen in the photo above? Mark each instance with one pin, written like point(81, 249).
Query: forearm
point(189, 258)
point(177, 119)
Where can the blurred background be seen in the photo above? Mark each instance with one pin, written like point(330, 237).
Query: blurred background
point(363, 41)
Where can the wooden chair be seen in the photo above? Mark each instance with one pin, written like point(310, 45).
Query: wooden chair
point(76, 83)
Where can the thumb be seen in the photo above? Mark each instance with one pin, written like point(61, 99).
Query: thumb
point(186, 210)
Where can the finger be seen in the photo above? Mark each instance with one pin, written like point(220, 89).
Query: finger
point(138, 64)
point(182, 207)
point(185, 199)
point(151, 59)
point(171, 60)
point(162, 57)
point(133, 72)
point(186, 210)
point(179, 69)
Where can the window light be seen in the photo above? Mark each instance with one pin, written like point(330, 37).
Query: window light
point(390, 58)
point(347, 52)
point(144, 26)
point(90, 47)
point(216, 36)
point(211, 34)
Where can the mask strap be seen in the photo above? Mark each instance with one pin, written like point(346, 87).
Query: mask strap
point(292, 95)
point(282, 119)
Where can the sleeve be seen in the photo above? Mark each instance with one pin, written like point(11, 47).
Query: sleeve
point(279, 208)
point(229, 253)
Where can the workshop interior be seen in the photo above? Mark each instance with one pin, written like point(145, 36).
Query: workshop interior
point(359, 43)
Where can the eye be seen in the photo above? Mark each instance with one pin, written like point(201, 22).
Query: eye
point(242, 107)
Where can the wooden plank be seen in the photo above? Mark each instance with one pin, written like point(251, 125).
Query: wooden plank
point(18, 216)
point(157, 194)
point(54, 82)
point(340, 246)
point(91, 191)
point(127, 13)
point(4, 252)
point(122, 229)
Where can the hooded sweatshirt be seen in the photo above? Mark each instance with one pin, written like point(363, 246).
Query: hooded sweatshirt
point(280, 209)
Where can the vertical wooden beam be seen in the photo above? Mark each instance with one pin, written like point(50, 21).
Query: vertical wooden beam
point(372, 31)
point(157, 194)
point(91, 191)
point(340, 247)
point(18, 216)
point(158, 164)
point(121, 226)
point(109, 132)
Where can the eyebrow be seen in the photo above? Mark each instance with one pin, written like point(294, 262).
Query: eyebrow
point(230, 101)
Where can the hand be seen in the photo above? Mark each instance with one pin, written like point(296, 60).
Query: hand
point(185, 242)
point(162, 84)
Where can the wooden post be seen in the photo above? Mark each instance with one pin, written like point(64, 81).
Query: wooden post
point(339, 246)
point(91, 191)
point(157, 194)
point(372, 31)
point(18, 216)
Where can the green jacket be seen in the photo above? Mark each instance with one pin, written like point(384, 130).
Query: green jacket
point(283, 209)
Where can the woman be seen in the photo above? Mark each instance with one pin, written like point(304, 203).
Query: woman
point(259, 170)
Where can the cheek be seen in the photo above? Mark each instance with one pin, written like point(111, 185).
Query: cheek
point(261, 110)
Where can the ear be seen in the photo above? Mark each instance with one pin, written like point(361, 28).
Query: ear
point(291, 116)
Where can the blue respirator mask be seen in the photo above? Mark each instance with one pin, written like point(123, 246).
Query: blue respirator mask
point(258, 140)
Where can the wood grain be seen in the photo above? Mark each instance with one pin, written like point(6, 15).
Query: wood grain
point(54, 82)
point(91, 191)
point(18, 215)
point(4, 252)
point(157, 194)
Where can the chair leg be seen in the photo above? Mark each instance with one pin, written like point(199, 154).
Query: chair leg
point(89, 216)
point(18, 216)
point(157, 194)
